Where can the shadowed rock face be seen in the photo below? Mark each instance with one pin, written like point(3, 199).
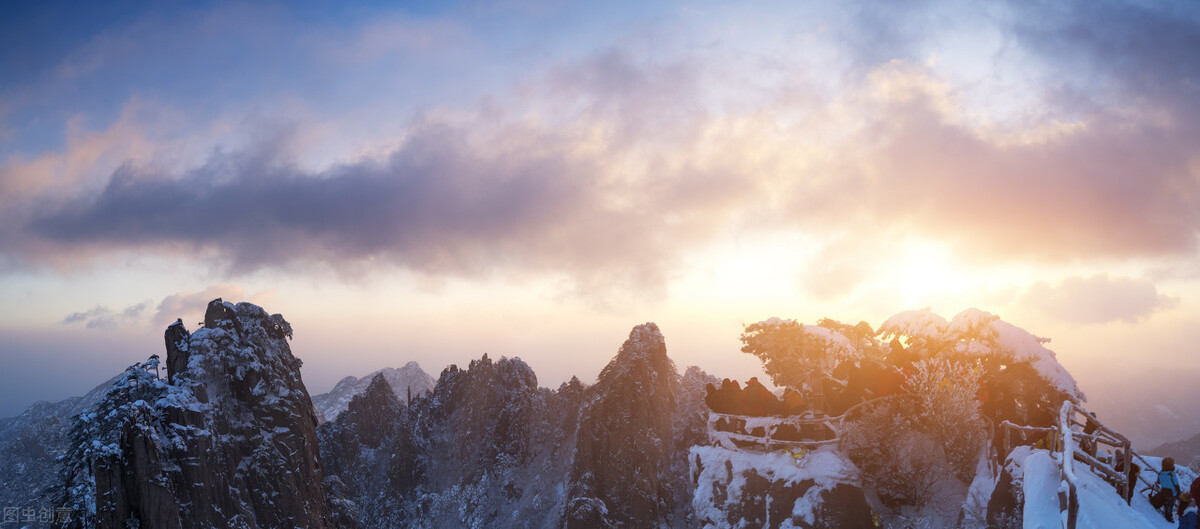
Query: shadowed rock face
point(368, 457)
point(228, 441)
point(624, 474)
point(1004, 508)
point(486, 448)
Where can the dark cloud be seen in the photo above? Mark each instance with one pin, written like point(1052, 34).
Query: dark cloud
point(440, 204)
point(1098, 299)
point(1118, 53)
point(598, 192)
point(436, 204)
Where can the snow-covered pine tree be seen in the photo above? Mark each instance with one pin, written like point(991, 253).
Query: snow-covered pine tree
point(100, 450)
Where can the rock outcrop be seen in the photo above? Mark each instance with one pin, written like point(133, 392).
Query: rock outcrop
point(740, 489)
point(627, 462)
point(486, 448)
point(369, 459)
point(228, 440)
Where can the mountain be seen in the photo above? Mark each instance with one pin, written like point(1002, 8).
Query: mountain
point(1148, 418)
point(228, 439)
point(489, 448)
point(625, 470)
point(30, 445)
point(1186, 452)
point(366, 456)
point(410, 379)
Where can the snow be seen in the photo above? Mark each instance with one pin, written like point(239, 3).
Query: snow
point(973, 322)
point(1021, 346)
point(1100, 507)
point(975, 506)
point(825, 466)
point(1041, 491)
point(775, 321)
point(646, 336)
point(980, 333)
point(915, 324)
point(410, 377)
point(836, 342)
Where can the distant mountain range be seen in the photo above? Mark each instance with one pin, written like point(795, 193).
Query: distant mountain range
point(1184, 452)
point(30, 444)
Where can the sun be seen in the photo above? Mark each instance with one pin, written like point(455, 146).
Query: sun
point(926, 273)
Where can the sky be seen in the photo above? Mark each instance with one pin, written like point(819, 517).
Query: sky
point(433, 181)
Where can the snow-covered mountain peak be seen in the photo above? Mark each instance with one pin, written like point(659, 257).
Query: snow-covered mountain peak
point(410, 379)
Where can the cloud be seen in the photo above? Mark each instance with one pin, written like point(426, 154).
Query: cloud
point(464, 194)
point(437, 205)
point(616, 162)
point(1098, 299)
point(1107, 188)
point(189, 305)
point(1098, 159)
point(104, 318)
point(1131, 53)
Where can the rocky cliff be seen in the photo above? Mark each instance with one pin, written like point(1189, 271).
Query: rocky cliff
point(369, 459)
point(627, 464)
point(226, 439)
point(226, 436)
point(489, 448)
point(736, 488)
point(486, 448)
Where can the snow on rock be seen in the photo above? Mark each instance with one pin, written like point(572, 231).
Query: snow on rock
point(226, 439)
point(737, 488)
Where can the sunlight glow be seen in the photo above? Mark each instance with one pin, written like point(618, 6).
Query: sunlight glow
point(927, 273)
